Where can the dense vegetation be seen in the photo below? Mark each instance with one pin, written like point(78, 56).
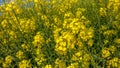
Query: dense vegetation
point(60, 34)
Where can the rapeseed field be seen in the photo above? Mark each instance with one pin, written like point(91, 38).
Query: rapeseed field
point(60, 34)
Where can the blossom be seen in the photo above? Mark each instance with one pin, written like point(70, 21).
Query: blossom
point(90, 42)
point(48, 66)
point(38, 40)
point(20, 54)
point(36, 1)
point(27, 25)
point(8, 59)
point(117, 40)
point(73, 65)
point(59, 63)
point(105, 53)
point(114, 62)
point(25, 64)
point(103, 11)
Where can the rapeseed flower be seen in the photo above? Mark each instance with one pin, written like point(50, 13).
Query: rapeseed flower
point(117, 40)
point(73, 65)
point(114, 62)
point(38, 40)
point(25, 47)
point(90, 42)
point(4, 24)
point(8, 8)
point(25, 64)
point(85, 64)
point(48, 66)
point(83, 36)
point(112, 48)
point(115, 4)
point(12, 34)
point(27, 25)
point(78, 56)
point(39, 60)
point(79, 13)
point(105, 53)
point(59, 63)
point(36, 1)
point(103, 11)
point(8, 59)
point(5, 65)
point(60, 34)
point(20, 54)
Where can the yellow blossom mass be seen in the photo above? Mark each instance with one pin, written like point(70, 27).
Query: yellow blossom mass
point(60, 34)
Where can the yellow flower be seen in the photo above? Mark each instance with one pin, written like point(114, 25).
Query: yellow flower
point(36, 1)
point(109, 33)
point(73, 25)
point(19, 54)
point(117, 17)
point(4, 24)
point(80, 44)
point(5, 65)
point(78, 13)
point(115, 4)
point(105, 53)
point(106, 42)
point(116, 7)
point(38, 40)
point(12, 34)
point(102, 28)
point(48, 66)
point(86, 57)
point(39, 59)
point(103, 11)
point(25, 64)
point(82, 27)
point(59, 63)
point(117, 40)
point(5, 41)
point(8, 59)
point(112, 49)
point(29, 1)
point(78, 56)
point(48, 40)
point(18, 11)
point(58, 39)
point(38, 51)
point(116, 23)
point(68, 14)
point(25, 47)
point(83, 35)
point(74, 58)
point(85, 64)
point(27, 25)
point(73, 65)
point(114, 63)
point(60, 49)
point(90, 42)
point(9, 7)
point(117, 1)
point(73, 1)
point(83, 18)
point(43, 17)
point(63, 43)
point(90, 33)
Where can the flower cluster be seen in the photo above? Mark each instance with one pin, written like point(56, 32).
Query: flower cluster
point(60, 34)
